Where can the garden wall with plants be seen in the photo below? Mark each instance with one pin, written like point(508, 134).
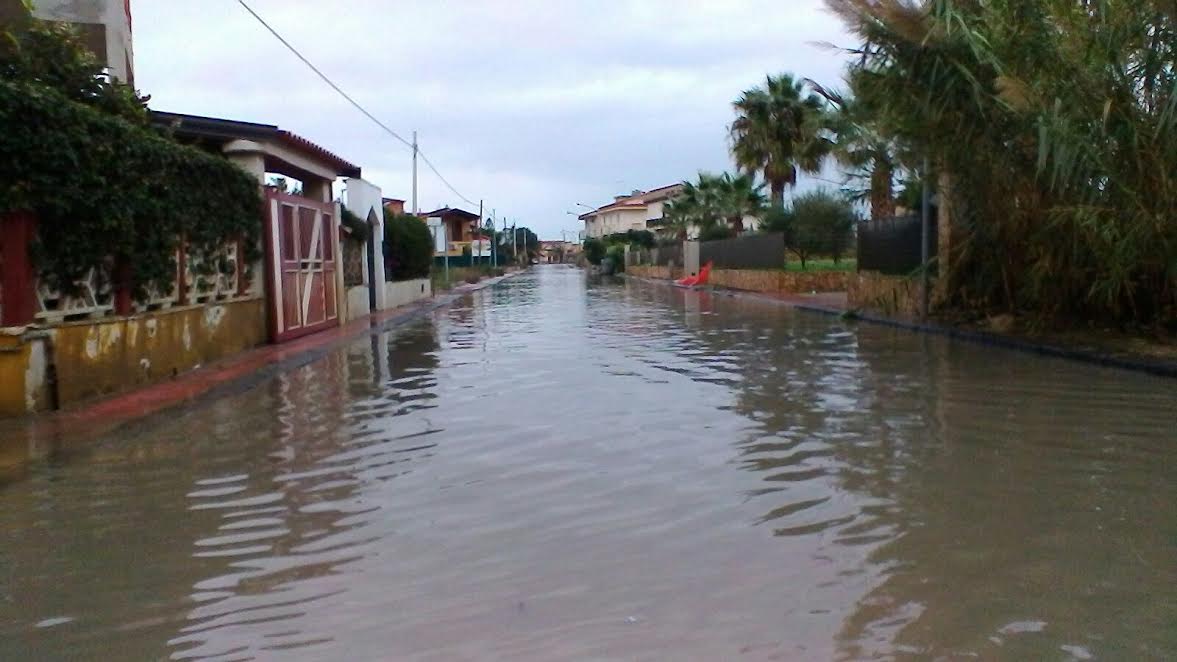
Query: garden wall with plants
point(126, 257)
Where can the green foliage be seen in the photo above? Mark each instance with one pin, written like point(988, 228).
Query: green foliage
point(780, 129)
point(75, 150)
point(616, 255)
point(716, 233)
point(1055, 124)
point(50, 55)
point(638, 238)
point(715, 200)
point(104, 188)
point(594, 250)
point(524, 247)
point(408, 247)
point(819, 223)
point(359, 228)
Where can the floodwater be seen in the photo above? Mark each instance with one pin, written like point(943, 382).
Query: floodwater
point(555, 469)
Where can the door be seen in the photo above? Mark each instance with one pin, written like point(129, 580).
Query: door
point(300, 265)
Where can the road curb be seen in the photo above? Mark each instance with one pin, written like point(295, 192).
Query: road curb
point(145, 405)
point(1159, 368)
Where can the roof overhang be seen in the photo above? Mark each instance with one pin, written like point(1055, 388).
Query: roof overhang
point(223, 132)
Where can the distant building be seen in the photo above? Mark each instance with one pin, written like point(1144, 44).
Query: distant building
point(556, 252)
point(641, 210)
point(394, 207)
point(461, 227)
point(104, 25)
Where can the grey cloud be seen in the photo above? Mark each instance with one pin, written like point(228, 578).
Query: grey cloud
point(531, 105)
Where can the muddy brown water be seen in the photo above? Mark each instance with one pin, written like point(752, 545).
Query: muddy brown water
point(562, 469)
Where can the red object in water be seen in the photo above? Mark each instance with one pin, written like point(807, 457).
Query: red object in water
point(696, 281)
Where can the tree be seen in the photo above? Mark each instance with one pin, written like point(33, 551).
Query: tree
point(1055, 126)
point(594, 250)
point(714, 200)
point(860, 148)
point(779, 129)
point(819, 223)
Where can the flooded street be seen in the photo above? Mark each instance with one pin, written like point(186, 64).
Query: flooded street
point(560, 469)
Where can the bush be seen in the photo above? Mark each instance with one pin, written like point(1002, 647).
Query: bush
point(104, 188)
point(594, 250)
point(639, 238)
point(616, 254)
point(76, 150)
point(408, 247)
point(819, 223)
point(716, 233)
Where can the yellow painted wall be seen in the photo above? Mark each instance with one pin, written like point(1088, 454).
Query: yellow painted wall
point(14, 361)
point(100, 358)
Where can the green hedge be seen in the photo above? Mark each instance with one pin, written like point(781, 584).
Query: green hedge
point(104, 188)
point(408, 247)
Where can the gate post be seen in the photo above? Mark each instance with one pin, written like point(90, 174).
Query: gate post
point(121, 277)
point(18, 307)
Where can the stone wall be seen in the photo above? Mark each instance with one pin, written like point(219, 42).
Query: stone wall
point(759, 280)
point(889, 295)
point(784, 282)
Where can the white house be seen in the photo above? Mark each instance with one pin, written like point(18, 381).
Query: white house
point(641, 210)
point(104, 25)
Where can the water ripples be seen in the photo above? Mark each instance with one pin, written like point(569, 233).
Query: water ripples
point(556, 469)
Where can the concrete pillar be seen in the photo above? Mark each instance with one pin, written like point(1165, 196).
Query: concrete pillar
point(340, 290)
point(366, 201)
point(249, 156)
point(317, 189)
point(691, 258)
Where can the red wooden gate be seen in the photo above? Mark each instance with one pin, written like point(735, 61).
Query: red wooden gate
point(300, 265)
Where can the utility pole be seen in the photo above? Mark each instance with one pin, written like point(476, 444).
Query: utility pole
point(494, 242)
point(416, 210)
point(481, 227)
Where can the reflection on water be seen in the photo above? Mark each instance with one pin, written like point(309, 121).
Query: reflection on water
point(556, 469)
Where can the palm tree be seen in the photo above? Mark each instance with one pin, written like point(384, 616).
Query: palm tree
point(739, 197)
point(779, 129)
point(715, 199)
point(862, 149)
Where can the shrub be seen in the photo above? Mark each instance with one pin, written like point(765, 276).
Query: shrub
point(76, 151)
point(360, 230)
point(639, 238)
point(616, 255)
point(594, 250)
point(408, 247)
point(819, 223)
point(716, 232)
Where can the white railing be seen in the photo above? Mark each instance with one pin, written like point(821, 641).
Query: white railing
point(211, 280)
point(92, 297)
point(214, 278)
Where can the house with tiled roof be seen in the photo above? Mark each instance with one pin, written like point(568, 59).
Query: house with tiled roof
point(640, 210)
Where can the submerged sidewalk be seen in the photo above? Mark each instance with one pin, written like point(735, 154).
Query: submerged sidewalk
point(836, 304)
point(30, 437)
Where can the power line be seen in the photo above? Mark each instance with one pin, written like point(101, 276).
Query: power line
point(443, 179)
point(350, 100)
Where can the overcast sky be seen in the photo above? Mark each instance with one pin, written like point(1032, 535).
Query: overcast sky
point(531, 105)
